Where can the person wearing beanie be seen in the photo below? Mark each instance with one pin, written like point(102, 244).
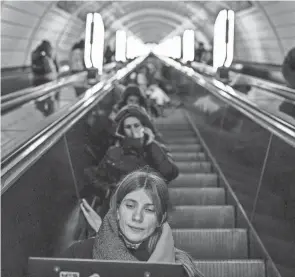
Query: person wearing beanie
point(131, 95)
point(136, 147)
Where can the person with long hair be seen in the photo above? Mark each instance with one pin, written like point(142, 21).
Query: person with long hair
point(136, 228)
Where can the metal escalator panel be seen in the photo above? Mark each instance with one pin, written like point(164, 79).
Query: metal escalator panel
point(195, 180)
point(190, 156)
point(197, 196)
point(202, 217)
point(212, 244)
point(233, 268)
point(190, 167)
point(183, 140)
point(184, 147)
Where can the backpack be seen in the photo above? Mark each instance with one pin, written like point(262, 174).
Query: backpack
point(40, 63)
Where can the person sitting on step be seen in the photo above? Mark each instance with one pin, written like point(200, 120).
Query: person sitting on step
point(135, 228)
point(137, 146)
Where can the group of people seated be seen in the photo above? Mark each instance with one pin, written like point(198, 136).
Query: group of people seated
point(128, 192)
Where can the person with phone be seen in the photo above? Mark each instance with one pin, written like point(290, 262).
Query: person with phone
point(136, 146)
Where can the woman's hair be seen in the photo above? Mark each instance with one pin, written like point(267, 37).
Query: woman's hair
point(149, 180)
point(156, 187)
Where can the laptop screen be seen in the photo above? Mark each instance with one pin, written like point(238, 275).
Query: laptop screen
point(56, 267)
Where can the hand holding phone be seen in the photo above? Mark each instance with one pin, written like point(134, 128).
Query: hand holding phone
point(150, 135)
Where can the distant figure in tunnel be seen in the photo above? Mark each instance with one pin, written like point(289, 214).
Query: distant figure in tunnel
point(199, 52)
point(44, 65)
point(108, 55)
point(77, 57)
point(288, 68)
point(136, 226)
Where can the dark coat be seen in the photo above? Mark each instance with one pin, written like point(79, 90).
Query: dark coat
point(128, 156)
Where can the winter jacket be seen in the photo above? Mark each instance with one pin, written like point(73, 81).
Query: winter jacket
point(129, 154)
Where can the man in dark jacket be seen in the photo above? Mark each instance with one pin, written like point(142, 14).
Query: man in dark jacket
point(44, 65)
point(136, 147)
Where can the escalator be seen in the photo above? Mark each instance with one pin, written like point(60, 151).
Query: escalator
point(203, 222)
point(207, 218)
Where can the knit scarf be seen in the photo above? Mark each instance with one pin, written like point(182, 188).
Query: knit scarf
point(109, 245)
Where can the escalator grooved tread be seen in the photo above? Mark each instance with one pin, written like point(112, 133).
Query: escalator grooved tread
point(202, 223)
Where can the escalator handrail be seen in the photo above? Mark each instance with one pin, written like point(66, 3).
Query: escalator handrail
point(24, 156)
point(63, 81)
point(50, 86)
point(286, 92)
point(20, 100)
point(272, 123)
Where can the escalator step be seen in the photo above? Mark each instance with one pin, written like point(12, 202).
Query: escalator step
point(184, 147)
point(212, 244)
point(202, 217)
point(183, 141)
point(196, 167)
point(189, 156)
point(197, 196)
point(177, 127)
point(178, 134)
point(193, 180)
point(232, 268)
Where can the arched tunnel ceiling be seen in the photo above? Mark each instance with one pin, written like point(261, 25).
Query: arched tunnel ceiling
point(264, 30)
point(172, 12)
point(122, 13)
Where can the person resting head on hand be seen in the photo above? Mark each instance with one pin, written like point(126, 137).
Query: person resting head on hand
point(136, 146)
point(136, 228)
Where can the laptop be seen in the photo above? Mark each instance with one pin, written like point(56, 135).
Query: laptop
point(56, 267)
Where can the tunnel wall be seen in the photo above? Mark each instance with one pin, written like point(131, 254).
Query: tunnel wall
point(266, 32)
point(24, 24)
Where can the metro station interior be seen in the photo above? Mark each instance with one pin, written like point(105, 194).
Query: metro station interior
point(229, 123)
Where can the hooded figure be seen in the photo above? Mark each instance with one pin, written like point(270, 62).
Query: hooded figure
point(136, 147)
point(131, 95)
point(44, 65)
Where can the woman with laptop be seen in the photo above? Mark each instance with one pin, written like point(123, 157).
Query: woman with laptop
point(135, 228)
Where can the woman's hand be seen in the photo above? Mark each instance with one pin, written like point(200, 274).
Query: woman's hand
point(91, 216)
point(150, 135)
